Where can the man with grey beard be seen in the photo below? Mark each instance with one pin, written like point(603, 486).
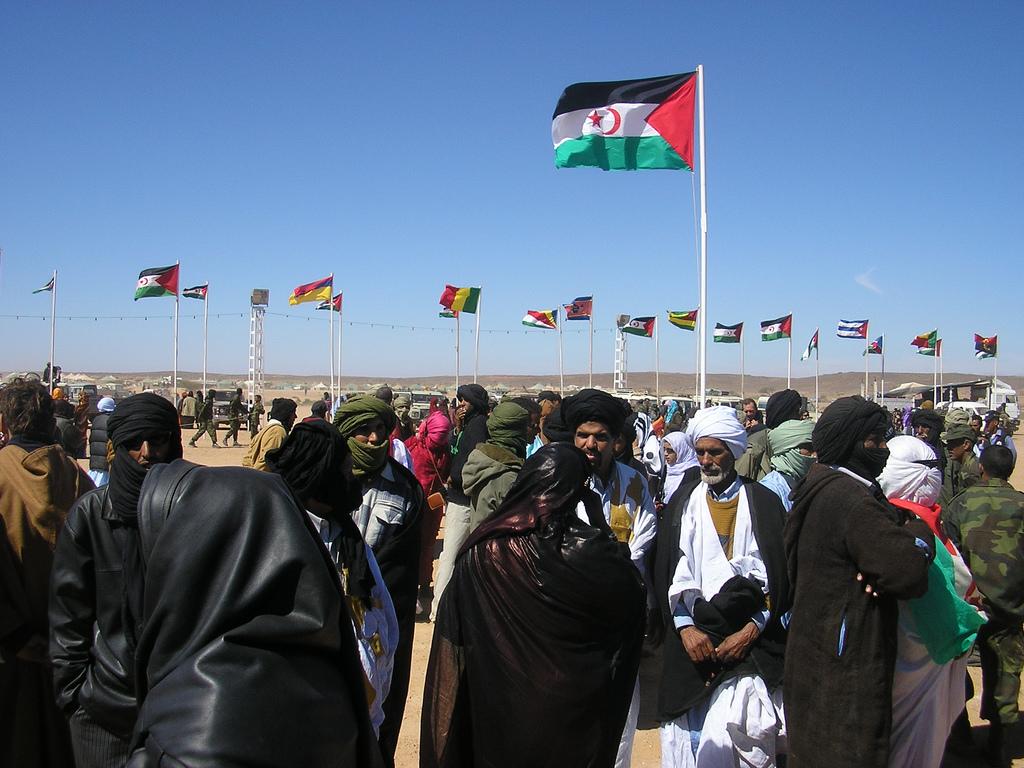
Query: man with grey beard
point(721, 580)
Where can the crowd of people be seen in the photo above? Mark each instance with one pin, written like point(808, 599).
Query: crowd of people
point(766, 588)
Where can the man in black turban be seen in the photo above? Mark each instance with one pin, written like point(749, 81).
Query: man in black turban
point(596, 420)
point(471, 412)
point(928, 424)
point(851, 556)
point(96, 591)
point(315, 463)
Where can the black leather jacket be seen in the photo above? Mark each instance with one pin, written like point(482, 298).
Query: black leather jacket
point(87, 642)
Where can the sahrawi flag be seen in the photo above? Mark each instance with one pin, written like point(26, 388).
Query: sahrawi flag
point(195, 292)
point(985, 346)
point(685, 320)
point(852, 329)
point(780, 328)
point(159, 281)
point(626, 125)
point(460, 299)
point(812, 346)
point(541, 318)
point(728, 334)
point(639, 326)
point(49, 287)
point(336, 304)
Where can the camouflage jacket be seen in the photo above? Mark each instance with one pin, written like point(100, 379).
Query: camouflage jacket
point(987, 521)
point(958, 477)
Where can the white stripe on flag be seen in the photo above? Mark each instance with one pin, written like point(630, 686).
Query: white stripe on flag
point(632, 122)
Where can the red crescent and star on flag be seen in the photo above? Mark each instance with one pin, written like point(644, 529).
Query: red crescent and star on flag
point(597, 120)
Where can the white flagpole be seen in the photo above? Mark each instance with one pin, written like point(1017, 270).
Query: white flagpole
point(817, 369)
point(995, 375)
point(789, 356)
point(561, 373)
point(174, 372)
point(476, 355)
point(206, 316)
point(743, 388)
point(341, 332)
point(330, 342)
point(458, 334)
point(590, 379)
point(657, 360)
point(53, 323)
point(703, 346)
point(883, 372)
point(867, 336)
point(935, 371)
point(942, 382)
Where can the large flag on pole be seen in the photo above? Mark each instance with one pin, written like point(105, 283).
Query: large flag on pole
point(685, 320)
point(932, 351)
point(336, 304)
point(626, 125)
point(195, 292)
point(780, 328)
point(460, 299)
point(925, 341)
point(639, 326)
point(159, 281)
point(812, 345)
point(541, 318)
point(728, 334)
point(852, 329)
point(49, 287)
point(985, 346)
point(580, 309)
point(318, 290)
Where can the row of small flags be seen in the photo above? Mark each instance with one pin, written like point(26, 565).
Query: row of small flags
point(163, 281)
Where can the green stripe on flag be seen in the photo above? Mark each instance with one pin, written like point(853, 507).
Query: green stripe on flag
point(629, 153)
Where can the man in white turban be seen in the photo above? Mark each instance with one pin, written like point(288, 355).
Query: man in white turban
point(936, 631)
point(720, 578)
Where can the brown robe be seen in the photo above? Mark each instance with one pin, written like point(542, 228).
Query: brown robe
point(37, 488)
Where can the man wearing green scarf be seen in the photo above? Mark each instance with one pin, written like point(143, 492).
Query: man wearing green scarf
point(389, 519)
point(792, 455)
point(492, 466)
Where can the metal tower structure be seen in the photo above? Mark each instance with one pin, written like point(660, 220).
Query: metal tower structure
point(257, 312)
point(619, 378)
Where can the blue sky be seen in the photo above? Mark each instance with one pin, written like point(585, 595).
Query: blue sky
point(863, 162)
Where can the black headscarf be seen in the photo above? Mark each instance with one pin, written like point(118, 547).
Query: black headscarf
point(476, 396)
point(555, 429)
point(782, 406)
point(839, 435)
point(282, 408)
point(593, 405)
point(927, 417)
point(310, 460)
point(138, 418)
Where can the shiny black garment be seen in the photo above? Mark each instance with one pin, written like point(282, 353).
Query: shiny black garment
point(98, 443)
point(538, 635)
point(91, 661)
point(247, 655)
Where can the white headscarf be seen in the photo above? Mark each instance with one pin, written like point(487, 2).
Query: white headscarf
point(903, 478)
point(105, 405)
point(719, 421)
point(686, 457)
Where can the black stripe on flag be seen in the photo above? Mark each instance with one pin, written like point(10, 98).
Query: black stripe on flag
point(590, 95)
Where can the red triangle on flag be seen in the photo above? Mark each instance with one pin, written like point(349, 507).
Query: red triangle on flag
point(673, 120)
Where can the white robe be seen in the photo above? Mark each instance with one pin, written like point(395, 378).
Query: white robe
point(744, 722)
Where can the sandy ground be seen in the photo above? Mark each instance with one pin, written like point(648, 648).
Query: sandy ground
point(646, 750)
